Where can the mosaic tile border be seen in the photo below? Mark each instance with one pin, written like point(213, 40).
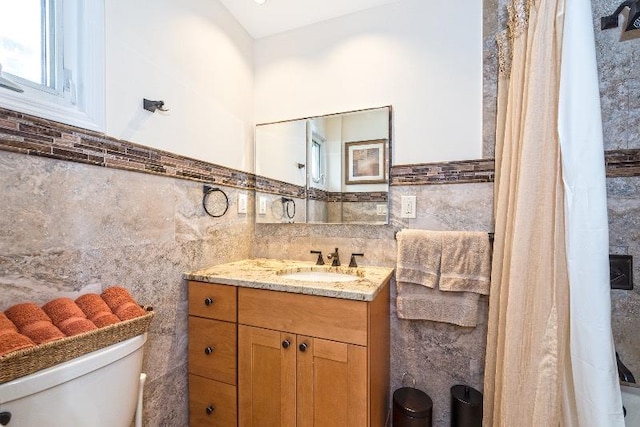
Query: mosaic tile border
point(373, 196)
point(618, 163)
point(468, 171)
point(273, 186)
point(317, 194)
point(622, 163)
point(364, 196)
point(22, 133)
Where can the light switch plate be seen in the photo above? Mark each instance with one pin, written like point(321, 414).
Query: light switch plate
point(242, 203)
point(262, 205)
point(408, 207)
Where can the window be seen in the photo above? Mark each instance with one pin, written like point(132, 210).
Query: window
point(317, 159)
point(55, 53)
point(28, 46)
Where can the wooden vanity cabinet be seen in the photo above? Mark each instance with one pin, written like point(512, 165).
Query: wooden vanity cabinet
point(312, 361)
point(301, 361)
point(212, 355)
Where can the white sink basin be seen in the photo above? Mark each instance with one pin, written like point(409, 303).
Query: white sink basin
point(319, 276)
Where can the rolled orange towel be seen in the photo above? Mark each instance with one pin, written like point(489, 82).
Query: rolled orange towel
point(41, 332)
point(6, 324)
point(103, 319)
point(76, 325)
point(129, 310)
point(96, 310)
point(13, 341)
point(121, 303)
point(68, 317)
point(33, 322)
point(25, 313)
point(61, 309)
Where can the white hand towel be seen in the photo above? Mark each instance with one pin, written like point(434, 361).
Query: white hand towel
point(419, 253)
point(466, 262)
point(421, 303)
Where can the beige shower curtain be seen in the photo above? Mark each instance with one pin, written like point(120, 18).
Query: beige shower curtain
point(550, 353)
point(529, 311)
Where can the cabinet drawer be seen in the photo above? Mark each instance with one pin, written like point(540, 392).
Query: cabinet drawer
point(212, 301)
point(330, 318)
point(211, 403)
point(212, 349)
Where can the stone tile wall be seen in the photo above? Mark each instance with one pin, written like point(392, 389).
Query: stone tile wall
point(617, 56)
point(67, 227)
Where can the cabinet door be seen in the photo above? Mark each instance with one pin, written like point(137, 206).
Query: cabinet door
point(332, 384)
point(266, 377)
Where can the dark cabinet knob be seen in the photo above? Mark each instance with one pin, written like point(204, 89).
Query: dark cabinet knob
point(208, 301)
point(303, 346)
point(208, 350)
point(210, 409)
point(286, 344)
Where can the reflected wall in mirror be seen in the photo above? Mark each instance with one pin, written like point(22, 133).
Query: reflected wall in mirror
point(329, 169)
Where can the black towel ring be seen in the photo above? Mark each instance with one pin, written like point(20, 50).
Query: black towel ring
point(207, 190)
point(286, 202)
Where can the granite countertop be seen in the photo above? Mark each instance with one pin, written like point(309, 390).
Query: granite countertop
point(267, 274)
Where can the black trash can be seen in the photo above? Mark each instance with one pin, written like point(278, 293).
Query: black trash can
point(411, 408)
point(466, 406)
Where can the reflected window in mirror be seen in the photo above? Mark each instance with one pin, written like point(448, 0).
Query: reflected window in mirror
point(317, 159)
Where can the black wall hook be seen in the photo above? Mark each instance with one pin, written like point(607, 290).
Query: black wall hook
point(153, 105)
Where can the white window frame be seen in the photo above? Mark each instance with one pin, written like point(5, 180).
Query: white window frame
point(85, 37)
point(317, 160)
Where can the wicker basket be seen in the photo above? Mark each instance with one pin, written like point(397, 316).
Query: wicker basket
point(29, 360)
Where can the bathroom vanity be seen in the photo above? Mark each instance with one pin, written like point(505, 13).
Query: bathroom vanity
point(288, 343)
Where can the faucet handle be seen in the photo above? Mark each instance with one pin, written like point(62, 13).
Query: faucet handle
point(320, 260)
point(353, 263)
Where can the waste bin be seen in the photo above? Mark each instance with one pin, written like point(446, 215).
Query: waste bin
point(411, 408)
point(466, 406)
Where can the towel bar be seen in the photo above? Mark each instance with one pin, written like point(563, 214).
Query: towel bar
point(491, 235)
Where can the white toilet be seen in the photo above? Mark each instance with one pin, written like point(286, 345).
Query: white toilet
point(98, 389)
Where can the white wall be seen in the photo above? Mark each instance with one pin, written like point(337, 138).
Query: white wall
point(423, 57)
point(193, 55)
point(280, 147)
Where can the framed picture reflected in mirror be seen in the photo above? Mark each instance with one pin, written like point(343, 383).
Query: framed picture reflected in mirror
point(365, 162)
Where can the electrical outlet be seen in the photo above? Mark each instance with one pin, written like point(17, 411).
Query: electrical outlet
point(381, 210)
point(262, 205)
point(408, 207)
point(242, 203)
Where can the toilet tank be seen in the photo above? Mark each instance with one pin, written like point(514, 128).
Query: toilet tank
point(98, 389)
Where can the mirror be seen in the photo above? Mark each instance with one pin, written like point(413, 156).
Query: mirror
point(331, 169)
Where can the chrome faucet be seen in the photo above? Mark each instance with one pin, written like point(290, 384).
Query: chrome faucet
point(335, 258)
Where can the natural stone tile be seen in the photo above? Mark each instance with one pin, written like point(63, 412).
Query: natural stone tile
point(447, 207)
point(166, 400)
point(68, 228)
point(615, 114)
